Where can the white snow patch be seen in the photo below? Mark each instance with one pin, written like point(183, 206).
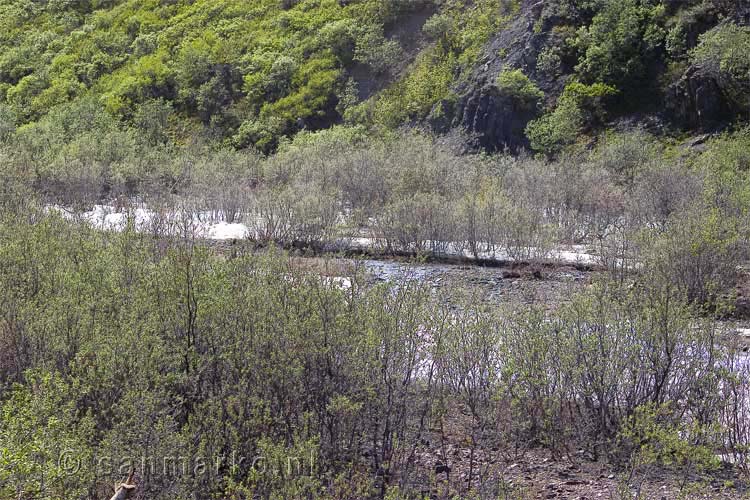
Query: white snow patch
point(109, 218)
point(206, 225)
point(574, 253)
point(227, 231)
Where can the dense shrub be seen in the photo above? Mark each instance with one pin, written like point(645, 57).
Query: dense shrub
point(578, 106)
point(517, 85)
point(41, 423)
point(722, 54)
point(727, 153)
point(557, 129)
point(620, 43)
point(373, 49)
point(196, 355)
point(152, 342)
point(218, 63)
point(698, 255)
point(626, 155)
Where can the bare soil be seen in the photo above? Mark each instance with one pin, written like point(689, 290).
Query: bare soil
point(445, 461)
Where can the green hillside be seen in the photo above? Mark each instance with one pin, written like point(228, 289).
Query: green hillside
point(250, 72)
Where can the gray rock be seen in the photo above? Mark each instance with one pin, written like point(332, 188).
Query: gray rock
point(495, 121)
point(696, 101)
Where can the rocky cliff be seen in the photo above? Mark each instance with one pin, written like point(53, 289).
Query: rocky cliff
point(693, 100)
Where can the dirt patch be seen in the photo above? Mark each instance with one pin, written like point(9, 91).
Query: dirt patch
point(446, 467)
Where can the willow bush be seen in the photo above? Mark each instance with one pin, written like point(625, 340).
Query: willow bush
point(166, 349)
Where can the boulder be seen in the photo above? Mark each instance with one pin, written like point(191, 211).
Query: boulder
point(696, 101)
point(497, 121)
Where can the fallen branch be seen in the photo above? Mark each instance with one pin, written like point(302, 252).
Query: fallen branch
point(125, 489)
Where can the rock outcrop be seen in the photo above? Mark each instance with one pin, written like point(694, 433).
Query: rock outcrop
point(696, 101)
point(494, 120)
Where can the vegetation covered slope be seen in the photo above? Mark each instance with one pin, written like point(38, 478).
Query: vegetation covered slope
point(265, 64)
point(250, 72)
